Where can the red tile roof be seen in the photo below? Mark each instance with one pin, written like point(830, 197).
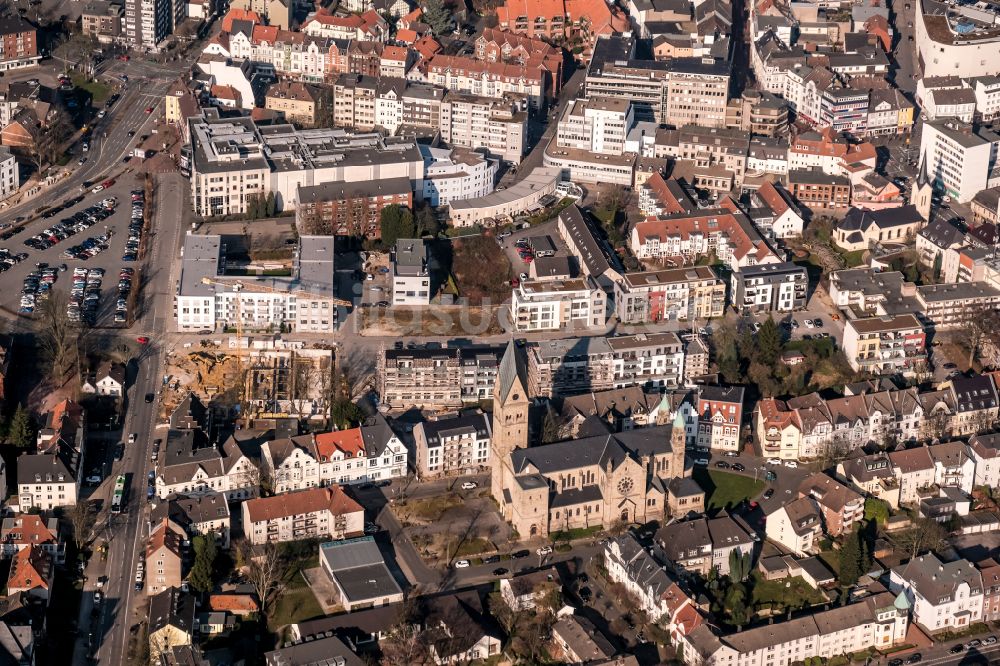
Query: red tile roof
point(346, 442)
point(27, 529)
point(239, 15)
point(29, 570)
point(301, 502)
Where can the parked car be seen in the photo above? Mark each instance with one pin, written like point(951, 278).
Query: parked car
point(469, 485)
point(791, 464)
point(544, 550)
point(769, 493)
point(462, 564)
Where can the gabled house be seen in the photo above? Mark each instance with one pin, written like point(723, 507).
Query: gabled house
point(660, 597)
point(48, 480)
point(523, 592)
point(459, 629)
point(954, 466)
point(985, 452)
point(108, 380)
point(171, 621)
point(915, 470)
point(840, 506)
point(31, 573)
point(201, 514)
point(872, 475)
point(990, 571)
point(702, 544)
point(164, 558)
point(314, 513)
point(976, 404)
point(720, 415)
point(30, 530)
point(797, 526)
point(944, 596)
point(66, 424)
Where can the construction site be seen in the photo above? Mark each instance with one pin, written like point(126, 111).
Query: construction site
point(253, 379)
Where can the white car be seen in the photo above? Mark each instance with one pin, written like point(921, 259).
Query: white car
point(773, 461)
point(469, 485)
point(132, 438)
point(97, 189)
point(791, 464)
point(731, 454)
point(809, 323)
point(544, 550)
point(462, 564)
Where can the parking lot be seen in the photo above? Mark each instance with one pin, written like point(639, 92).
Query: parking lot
point(78, 253)
point(539, 241)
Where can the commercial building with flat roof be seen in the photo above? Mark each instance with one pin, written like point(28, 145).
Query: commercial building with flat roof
point(359, 572)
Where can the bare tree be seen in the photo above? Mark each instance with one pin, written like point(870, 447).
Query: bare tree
point(263, 568)
point(937, 425)
point(58, 338)
point(81, 518)
point(982, 326)
point(406, 642)
point(926, 534)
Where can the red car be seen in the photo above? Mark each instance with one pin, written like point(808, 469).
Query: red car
point(142, 339)
point(108, 183)
point(123, 58)
point(149, 109)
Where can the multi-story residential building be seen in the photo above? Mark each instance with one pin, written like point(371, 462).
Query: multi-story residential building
point(770, 288)
point(950, 103)
point(944, 596)
point(985, 452)
point(232, 160)
point(872, 475)
point(802, 427)
point(490, 79)
point(48, 480)
point(990, 571)
point(301, 103)
point(499, 126)
point(368, 26)
point(480, 364)
point(960, 159)
point(720, 417)
point(423, 378)
point(456, 444)
point(306, 301)
point(685, 237)
point(914, 468)
point(292, 463)
point(953, 306)
point(372, 452)
point(889, 112)
point(772, 210)
point(102, 20)
point(987, 91)
point(31, 531)
point(164, 557)
point(874, 622)
point(558, 305)
point(457, 173)
point(657, 358)
point(702, 544)
point(20, 43)
point(349, 209)
point(817, 190)
point(840, 506)
point(681, 91)
point(579, 365)
point(10, 174)
point(796, 525)
point(885, 345)
point(315, 513)
point(954, 466)
point(559, 19)
point(976, 405)
point(681, 294)
point(411, 280)
point(597, 125)
point(148, 22)
point(204, 514)
point(709, 149)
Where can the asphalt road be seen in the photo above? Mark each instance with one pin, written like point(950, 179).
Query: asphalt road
point(128, 530)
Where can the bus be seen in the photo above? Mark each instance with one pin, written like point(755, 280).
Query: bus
point(118, 498)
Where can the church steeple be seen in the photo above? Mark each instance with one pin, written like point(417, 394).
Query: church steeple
point(510, 417)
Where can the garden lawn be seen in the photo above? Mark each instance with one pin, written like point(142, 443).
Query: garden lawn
point(296, 604)
point(99, 92)
point(796, 595)
point(725, 489)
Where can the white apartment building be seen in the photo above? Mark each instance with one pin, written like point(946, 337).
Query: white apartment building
point(456, 174)
point(368, 453)
point(885, 345)
point(316, 513)
point(944, 596)
point(681, 294)
point(797, 526)
point(499, 126)
point(9, 173)
point(987, 91)
point(657, 356)
point(457, 444)
point(960, 161)
point(207, 299)
point(985, 452)
point(557, 305)
point(877, 621)
point(411, 280)
point(598, 125)
point(47, 481)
